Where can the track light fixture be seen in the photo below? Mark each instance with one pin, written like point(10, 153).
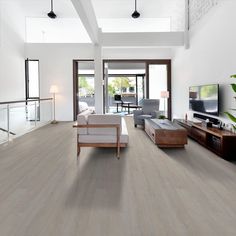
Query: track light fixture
point(135, 14)
point(51, 14)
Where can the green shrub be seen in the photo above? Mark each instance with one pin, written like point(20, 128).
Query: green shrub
point(230, 115)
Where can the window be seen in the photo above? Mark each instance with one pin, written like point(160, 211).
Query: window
point(32, 89)
point(32, 79)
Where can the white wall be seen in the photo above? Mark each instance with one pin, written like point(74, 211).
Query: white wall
point(210, 59)
point(154, 39)
point(12, 75)
point(136, 53)
point(56, 68)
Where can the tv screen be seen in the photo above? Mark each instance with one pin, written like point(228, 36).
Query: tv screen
point(205, 99)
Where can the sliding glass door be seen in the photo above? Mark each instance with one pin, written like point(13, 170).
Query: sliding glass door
point(84, 86)
point(134, 80)
point(159, 86)
point(123, 85)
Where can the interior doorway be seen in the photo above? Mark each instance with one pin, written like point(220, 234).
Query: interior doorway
point(133, 80)
point(84, 85)
point(159, 84)
point(128, 80)
point(123, 84)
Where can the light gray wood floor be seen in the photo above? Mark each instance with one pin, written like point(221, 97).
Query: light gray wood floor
point(149, 191)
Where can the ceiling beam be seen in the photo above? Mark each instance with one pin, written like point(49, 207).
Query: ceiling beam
point(161, 39)
point(86, 13)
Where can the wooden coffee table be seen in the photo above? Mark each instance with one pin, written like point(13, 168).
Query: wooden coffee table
point(165, 133)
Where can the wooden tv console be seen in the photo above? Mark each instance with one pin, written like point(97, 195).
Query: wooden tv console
point(221, 142)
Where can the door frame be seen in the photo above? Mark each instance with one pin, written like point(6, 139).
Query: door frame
point(147, 62)
point(168, 64)
point(75, 85)
point(139, 75)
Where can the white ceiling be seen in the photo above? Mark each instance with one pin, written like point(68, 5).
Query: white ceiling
point(40, 8)
point(138, 25)
point(61, 30)
point(151, 9)
point(66, 28)
point(112, 16)
point(147, 9)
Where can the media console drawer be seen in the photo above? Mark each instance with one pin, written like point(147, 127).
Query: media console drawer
point(198, 134)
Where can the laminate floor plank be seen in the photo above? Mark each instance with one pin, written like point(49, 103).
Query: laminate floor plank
point(46, 191)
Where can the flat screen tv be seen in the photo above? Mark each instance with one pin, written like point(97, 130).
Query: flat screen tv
point(204, 99)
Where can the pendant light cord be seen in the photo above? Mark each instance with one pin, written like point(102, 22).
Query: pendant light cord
point(135, 5)
point(52, 5)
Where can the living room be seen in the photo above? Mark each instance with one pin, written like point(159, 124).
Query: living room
point(48, 190)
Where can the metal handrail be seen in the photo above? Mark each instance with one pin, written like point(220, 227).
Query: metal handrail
point(29, 100)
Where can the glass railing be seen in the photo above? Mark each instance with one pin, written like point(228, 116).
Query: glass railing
point(3, 123)
point(20, 117)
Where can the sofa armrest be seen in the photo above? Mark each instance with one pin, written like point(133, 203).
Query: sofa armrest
point(137, 113)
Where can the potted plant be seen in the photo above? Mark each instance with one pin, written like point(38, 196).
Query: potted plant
point(230, 115)
point(162, 117)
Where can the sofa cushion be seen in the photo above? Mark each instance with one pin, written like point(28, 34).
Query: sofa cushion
point(101, 138)
point(103, 119)
point(87, 112)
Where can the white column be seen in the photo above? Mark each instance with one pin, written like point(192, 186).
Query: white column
point(98, 79)
point(186, 30)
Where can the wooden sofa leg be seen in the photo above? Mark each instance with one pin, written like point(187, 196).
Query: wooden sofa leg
point(78, 150)
point(118, 152)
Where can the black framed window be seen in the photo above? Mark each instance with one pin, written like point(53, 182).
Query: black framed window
point(32, 79)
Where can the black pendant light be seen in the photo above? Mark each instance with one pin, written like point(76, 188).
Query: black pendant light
point(135, 14)
point(51, 14)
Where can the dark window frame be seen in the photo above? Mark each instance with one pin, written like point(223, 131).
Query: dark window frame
point(147, 62)
point(27, 97)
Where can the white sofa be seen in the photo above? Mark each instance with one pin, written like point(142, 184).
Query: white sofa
point(101, 131)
